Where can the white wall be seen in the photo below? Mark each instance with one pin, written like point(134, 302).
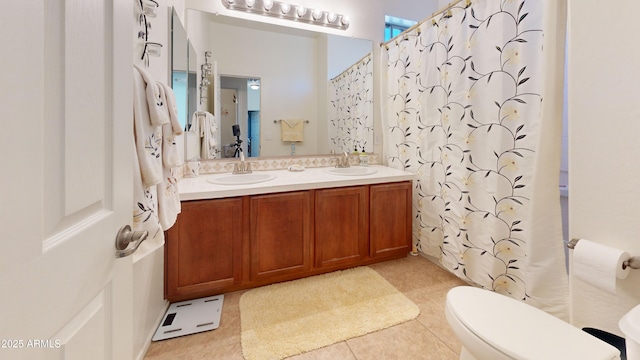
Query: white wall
point(353, 49)
point(604, 123)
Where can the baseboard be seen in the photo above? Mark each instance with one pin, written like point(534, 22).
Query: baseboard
point(147, 342)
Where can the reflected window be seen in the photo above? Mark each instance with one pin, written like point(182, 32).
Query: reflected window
point(394, 26)
point(179, 85)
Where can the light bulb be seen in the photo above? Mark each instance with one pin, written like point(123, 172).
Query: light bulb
point(268, 4)
point(301, 10)
point(250, 3)
point(331, 17)
point(284, 8)
point(316, 14)
point(345, 21)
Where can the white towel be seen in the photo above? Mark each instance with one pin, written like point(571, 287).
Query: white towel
point(207, 125)
point(292, 130)
point(156, 198)
point(158, 113)
point(145, 216)
point(148, 137)
point(168, 195)
point(168, 199)
point(170, 154)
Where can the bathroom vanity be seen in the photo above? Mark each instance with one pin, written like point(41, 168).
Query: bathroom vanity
point(298, 224)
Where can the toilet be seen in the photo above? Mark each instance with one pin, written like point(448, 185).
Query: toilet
point(492, 326)
point(630, 326)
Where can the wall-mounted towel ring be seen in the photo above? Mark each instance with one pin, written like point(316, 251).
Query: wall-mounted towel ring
point(149, 8)
point(151, 49)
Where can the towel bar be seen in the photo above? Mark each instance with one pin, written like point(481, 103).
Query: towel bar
point(277, 121)
point(633, 262)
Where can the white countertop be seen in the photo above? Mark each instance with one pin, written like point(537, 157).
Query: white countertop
point(199, 188)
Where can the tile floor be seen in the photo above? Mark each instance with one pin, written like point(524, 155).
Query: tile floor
point(426, 337)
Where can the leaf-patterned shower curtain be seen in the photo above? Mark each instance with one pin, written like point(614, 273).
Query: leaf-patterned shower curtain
point(351, 108)
point(474, 109)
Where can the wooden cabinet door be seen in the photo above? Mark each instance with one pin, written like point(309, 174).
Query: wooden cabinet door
point(204, 249)
point(281, 229)
point(390, 219)
point(341, 226)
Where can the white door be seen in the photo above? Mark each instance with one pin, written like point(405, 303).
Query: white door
point(65, 178)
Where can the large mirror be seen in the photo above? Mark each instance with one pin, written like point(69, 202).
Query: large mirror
point(316, 85)
point(184, 63)
point(179, 66)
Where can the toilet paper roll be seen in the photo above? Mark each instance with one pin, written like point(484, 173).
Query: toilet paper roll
point(599, 265)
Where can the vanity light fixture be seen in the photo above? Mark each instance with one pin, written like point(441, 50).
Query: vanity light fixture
point(282, 10)
point(301, 10)
point(316, 14)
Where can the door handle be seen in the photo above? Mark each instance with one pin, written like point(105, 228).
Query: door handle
point(125, 237)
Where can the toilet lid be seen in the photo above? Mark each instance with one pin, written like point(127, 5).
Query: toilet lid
point(630, 324)
point(521, 331)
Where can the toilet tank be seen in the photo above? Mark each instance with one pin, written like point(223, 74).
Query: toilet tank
point(630, 326)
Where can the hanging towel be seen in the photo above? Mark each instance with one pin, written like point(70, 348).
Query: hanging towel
point(168, 199)
point(292, 130)
point(156, 198)
point(168, 195)
point(158, 113)
point(170, 154)
point(145, 216)
point(207, 125)
point(148, 137)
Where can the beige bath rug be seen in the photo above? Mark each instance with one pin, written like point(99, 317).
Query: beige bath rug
point(294, 317)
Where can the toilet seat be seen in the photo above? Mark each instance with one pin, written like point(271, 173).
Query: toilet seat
point(513, 329)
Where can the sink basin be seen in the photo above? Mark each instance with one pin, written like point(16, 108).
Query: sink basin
point(241, 179)
point(351, 171)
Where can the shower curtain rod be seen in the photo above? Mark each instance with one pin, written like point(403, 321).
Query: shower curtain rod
point(412, 27)
point(350, 67)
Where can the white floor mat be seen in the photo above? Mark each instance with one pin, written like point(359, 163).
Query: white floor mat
point(190, 317)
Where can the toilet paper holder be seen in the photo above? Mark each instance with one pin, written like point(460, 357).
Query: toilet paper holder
point(633, 262)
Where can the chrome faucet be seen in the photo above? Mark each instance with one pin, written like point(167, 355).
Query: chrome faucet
point(242, 167)
point(343, 161)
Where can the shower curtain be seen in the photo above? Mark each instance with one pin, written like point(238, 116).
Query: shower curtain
point(474, 109)
point(351, 108)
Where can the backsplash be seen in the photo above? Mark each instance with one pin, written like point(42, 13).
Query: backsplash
point(274, 163)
